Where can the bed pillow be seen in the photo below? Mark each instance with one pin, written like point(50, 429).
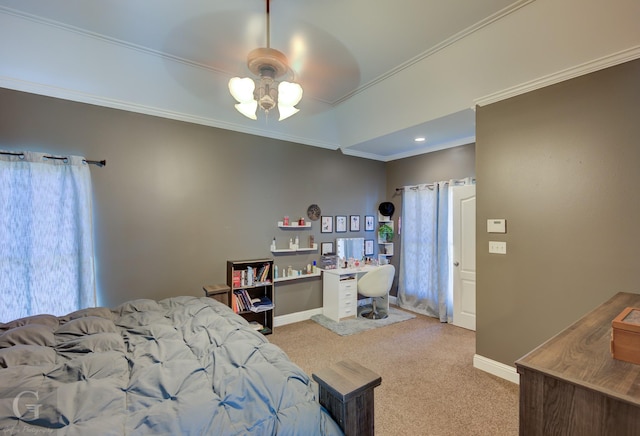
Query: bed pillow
point(97, 343)
point(33, 355)
point(48, 320)
point(30, 334)
point(87, 325)
point(101, 312)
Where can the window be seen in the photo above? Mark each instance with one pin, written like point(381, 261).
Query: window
point(46, 235)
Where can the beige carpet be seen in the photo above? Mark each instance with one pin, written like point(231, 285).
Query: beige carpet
point(429, 386)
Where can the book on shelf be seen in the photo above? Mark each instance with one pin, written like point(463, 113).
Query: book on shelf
point(237, 278)
point(263, 274)
point(243, 300)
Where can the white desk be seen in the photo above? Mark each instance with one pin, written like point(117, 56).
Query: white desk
point(340, 292)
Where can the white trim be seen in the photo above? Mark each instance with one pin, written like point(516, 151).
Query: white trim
point(291, 318)
point(560, 76)
point(83, 97)
point(438, 47)
point(498, 369)
point(414, 152)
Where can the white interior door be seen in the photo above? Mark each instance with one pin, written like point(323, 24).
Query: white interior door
point(464, 255)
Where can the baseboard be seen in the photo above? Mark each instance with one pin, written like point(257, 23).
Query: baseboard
point(498, 369)
point(290, 318)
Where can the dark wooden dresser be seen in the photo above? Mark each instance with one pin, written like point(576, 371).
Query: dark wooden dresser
point(570, 385)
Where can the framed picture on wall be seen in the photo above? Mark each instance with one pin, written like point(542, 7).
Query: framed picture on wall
point(369, 223)
point(368, 247)
point(354, 223)
point(341, 223)
point(327, 224)
point(326, 248)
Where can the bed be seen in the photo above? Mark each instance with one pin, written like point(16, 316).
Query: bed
point(179, 366)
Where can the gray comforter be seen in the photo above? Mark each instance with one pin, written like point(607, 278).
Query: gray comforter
point(180, 366)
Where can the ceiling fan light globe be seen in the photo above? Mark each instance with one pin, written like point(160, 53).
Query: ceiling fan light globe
point(289, 94)
point(242, 89)
point(248, 109)
point(286, 111)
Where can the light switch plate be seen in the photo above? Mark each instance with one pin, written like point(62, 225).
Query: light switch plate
point(497, 226)
point(498, 247)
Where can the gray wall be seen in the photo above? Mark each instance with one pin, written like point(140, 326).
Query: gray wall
point(177, 200)
point(452, 163)
point(562, 165)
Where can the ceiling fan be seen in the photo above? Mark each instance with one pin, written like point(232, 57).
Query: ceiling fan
point(267, 91)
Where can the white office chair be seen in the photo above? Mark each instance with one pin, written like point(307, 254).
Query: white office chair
point(374, 284)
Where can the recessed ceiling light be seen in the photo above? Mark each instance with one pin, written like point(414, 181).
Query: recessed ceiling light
point(420, 139)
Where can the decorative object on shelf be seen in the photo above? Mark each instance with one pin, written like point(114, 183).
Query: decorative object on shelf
point(313, 212)
point(354, 223)
point(368, 247)
point(326, 248)
point(266, 92)
point(327, 224)
point(294, 225)
point(386, 208)
point(385, 232)
point(285, 221)
point(341, 223)
point(369, 223)
point(301, 221)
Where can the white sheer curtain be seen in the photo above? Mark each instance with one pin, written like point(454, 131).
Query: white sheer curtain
point(423, 281)
point(46, 235)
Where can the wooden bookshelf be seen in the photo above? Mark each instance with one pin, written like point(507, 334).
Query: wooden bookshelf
point(256, 286)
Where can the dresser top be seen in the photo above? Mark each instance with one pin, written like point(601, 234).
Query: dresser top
point(581, 354)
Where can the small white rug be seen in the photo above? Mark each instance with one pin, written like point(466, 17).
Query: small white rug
point(356, 325)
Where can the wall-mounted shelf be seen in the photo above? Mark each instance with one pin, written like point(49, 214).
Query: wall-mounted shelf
point(296, 250)
point(302, 276)
point(385, 248)
point(294, 225)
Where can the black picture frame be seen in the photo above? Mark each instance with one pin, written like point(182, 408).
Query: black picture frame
point(326, 248)
point(369, 223)
point(326, 224)
point(341, 223)
point(368, 247)
point(354, 223)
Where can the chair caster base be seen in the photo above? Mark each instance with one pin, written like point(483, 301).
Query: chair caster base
point(370, 314)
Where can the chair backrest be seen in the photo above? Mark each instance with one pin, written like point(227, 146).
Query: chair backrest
point(377, 282)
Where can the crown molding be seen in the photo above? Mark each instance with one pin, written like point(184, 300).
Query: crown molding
point(435, 49)
point(81, 97)
point(560, 76)
point(413, 152)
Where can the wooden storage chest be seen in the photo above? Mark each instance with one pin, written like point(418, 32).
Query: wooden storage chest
point(625, 335)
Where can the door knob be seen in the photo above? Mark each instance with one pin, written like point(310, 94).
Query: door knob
point(456, 263)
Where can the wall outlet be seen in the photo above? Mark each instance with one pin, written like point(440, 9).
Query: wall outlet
point(498, 247)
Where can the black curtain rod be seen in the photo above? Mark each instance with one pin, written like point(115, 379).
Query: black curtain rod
point(99, 163)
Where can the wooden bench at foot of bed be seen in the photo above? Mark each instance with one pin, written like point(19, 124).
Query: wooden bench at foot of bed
point(346, 391)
